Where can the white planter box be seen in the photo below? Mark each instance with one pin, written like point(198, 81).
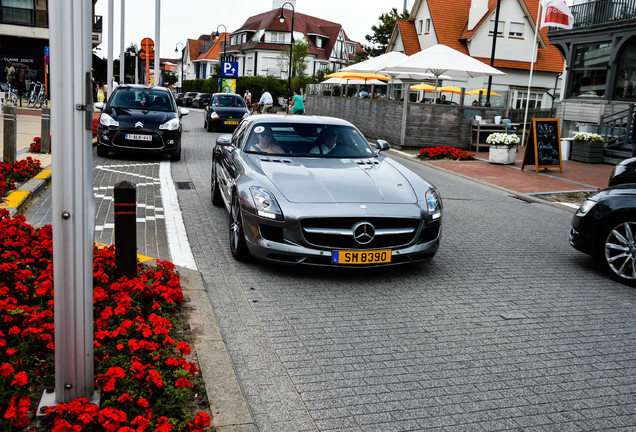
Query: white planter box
point(502, 154)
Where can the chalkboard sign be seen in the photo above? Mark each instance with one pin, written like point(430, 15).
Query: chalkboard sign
point(543, 147)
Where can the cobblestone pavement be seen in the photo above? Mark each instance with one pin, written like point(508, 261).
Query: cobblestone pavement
point(508, 328)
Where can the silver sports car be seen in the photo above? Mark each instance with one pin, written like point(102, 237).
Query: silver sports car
point(310, 190)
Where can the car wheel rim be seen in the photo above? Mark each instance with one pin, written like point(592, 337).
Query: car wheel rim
point(620, 251)
point(235, 225)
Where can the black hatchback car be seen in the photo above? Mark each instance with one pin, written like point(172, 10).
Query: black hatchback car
point(604, 226)
point(225, 110)
point(140, 119)
point(201, 100)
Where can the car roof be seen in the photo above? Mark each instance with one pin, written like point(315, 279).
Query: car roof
point(226, 94)
point(141, 86)
point(296, 119)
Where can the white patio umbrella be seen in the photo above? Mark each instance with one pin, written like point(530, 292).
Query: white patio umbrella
point(437, 60)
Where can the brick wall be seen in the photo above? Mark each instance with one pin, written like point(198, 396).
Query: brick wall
point(428, 125)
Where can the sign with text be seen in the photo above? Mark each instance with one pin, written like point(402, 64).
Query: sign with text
point(229, 69)
point(544, 144)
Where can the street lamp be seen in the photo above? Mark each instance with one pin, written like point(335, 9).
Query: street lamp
point(281, 18)
point(176, 49)
point(224, 45)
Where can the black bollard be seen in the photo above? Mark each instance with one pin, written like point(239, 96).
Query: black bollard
point(126, 228)
point(45, 136)
point(10, 124)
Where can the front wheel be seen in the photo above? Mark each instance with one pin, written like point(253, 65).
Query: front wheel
point(619, 251)
point(238, 246)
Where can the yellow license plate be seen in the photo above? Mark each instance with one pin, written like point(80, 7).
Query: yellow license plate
point(361, 257)
point(231, 122)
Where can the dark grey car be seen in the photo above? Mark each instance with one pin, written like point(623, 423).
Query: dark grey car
point(306, 203)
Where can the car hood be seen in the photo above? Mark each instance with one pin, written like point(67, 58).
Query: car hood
point(129, 117)
point(627, 189)
point(229, 111)
point(319, 180)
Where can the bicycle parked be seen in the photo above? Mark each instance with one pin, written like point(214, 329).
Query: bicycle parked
point(11, 94)
point(37, 96)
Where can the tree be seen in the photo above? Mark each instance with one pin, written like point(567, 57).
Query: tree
point(299, 58)
point(382, 32)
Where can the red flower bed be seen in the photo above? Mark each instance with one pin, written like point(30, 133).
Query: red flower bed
point(36, 145)
point(445, 152)
point(142, 371)
point(17, 172)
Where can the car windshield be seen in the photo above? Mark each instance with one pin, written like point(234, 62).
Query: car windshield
point(143, 99)
point(228, 101)
point(308, 140)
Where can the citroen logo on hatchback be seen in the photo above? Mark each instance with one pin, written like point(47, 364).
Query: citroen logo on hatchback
point(363, 232)
point(139, 124)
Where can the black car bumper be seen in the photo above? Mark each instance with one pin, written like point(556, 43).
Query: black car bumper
point(128, 141)
point(584, 235)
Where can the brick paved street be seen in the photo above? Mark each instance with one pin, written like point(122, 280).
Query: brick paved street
point(508, 328)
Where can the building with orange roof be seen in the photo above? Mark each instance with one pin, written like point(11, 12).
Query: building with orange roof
point(468, 26)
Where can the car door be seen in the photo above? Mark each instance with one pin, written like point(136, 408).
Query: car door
point(227, 161)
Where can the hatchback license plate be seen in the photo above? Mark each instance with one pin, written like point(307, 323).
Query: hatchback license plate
point(361, 257)
point(139, 137)
point(231, 122)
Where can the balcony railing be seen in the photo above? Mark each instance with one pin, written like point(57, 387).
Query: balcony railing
point(603, 11)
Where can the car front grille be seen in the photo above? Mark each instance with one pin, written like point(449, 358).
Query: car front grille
point(338, 233)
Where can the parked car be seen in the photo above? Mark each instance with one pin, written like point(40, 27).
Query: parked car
point(201, 100)
point(188, 98)
point(604, 227)
point(624, 172)
point(293, 201)
point(140, 119)
point(179, 99)
point(225, 110)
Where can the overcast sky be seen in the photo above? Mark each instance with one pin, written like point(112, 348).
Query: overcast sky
point(188, 19)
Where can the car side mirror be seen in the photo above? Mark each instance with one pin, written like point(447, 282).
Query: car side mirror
point(99, 105)
point(382, 145)
point(224, 140)
point(184, 111)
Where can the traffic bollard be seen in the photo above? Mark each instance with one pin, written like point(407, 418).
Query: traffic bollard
point(126, 228)
point(10, 133)
point(45, 137)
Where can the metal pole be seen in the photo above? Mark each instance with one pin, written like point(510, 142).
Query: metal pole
point(109, 63)
point(121, 45)
point(136, 66)
point(45, 140)
point(291, 48)
point(157, 42)
point(492, 54)
point(72, 196)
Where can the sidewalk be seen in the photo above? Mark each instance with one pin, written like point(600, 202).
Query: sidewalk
point(576, 176)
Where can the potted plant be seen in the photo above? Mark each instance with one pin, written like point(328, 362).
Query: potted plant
point(503, 148)
point(587, 147)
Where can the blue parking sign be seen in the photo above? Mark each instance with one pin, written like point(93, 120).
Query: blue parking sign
point(229, 69)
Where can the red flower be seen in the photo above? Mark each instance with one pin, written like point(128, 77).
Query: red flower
point(20, 379)
point(183, 347)
point(6, 370)
point(182, 382)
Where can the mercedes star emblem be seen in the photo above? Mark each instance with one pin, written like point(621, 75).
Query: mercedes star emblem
point(363, 232)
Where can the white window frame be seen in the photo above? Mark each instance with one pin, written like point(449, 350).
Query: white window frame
point(513, 27)
point(500, 28)
point(427, 29)
point(420, 26)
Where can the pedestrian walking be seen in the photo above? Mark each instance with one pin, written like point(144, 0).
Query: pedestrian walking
point(101, 92)
point(266, 101)
point(247, 97)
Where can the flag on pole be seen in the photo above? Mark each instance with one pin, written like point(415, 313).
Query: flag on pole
point(556, 13)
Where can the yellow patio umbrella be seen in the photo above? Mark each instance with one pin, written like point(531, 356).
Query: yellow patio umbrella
point(423, 86)
point(450, 89)
point(484, 92)
point(358, 75)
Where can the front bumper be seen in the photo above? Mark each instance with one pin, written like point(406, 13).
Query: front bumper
point(162, 142)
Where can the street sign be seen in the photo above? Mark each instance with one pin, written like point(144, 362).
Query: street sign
point(229, 69)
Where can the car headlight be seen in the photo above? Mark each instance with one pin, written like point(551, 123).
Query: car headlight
point(107, 120)
point(170, 125)
point(246, 115)
point(214, 115)
point(587, 205)
point(433, 204)
point(265, 204)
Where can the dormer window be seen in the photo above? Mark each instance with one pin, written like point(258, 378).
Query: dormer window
point(318, 42)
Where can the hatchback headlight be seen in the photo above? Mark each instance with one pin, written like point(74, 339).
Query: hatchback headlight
point(107, 120)
point(433, 204)
point(214, 115)
point(266, 204)
point(587, 205)
point(170, 125)
point(246, 115)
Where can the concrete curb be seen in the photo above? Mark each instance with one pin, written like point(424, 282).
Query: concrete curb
point(230, 411)
point(20, 197)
